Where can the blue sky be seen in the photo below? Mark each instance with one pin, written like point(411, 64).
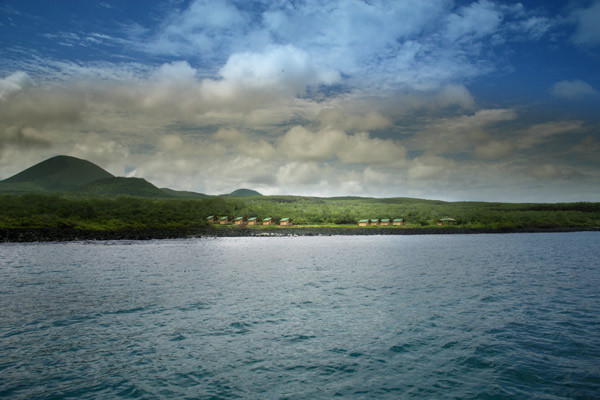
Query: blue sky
point(453, 100)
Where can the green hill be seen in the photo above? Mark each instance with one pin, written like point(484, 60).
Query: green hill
point(244, 193)
point(182, 194)
point(58, 173)
point(119, 186)
point(73, 176)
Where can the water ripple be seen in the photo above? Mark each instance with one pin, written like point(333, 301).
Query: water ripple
point(474, 317)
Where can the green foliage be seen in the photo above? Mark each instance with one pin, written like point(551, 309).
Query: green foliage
point(39, 210)
point(182, 194)
point(34, 210)
point(119, 186)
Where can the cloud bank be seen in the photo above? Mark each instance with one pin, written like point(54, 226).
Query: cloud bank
point(316, 97)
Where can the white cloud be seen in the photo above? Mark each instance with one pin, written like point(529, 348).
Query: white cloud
point(106, 152)
point(300, 143)
point(299, 173)
point(540, 133)
point(242, 143)
point(21, 137)
point(205, 27)
point(573, 90)
point(430, 168)
point(171, 142)
point(473, 21)
point(313, 97)
point(461, 134)
point(406, 100)
point(494, 149)
point(56, 71)
point(175, 72)
point(278, 71)
point(172, 86)
point(238, 171)
point(361, 148)
point(587, 29)
point(349, 35)
point(534, 27)
point(454, 95)
point(15, 82)
point(474, 124)
point(334, 119)
point(374, 177)
point(419, 44)
point(549, 171)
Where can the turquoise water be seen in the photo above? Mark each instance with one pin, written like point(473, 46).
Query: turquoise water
point(457, 316)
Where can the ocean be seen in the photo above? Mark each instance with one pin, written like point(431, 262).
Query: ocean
point(497, 316)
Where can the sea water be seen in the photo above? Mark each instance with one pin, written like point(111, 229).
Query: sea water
point(362, 317)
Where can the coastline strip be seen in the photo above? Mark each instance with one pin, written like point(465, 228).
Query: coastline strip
point(17, 235)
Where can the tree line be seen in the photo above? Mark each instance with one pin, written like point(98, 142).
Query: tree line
point(40, 210)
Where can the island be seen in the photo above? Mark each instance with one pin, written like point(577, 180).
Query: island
point(65, 198)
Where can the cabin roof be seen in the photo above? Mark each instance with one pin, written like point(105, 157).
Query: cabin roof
point(364, 220)
point(447, 219)
point(398, 219)
point(267, 219)
point(210, 217)
point(239, 218)
point(385, 220)
point(252, 219)
point(284, 219)
point(375, 220)
point(223, 218)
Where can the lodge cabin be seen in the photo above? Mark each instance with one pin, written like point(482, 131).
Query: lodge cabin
point(225, 220)
point(385, 222)
point(240, 221)
point(212, 218)
point(253, 221)
point(285, 222)
point(363, 222)
point(398, 221)
point(374, 221)
point(446, 221)
point(268, 221)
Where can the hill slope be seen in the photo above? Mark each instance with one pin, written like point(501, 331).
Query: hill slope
point(244, 193)
point(119, 186)
point(59, 173)
point(182, 194)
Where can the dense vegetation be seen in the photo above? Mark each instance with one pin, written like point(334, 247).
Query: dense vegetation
point(124, 186)
point(42, 210)
point(67, 192)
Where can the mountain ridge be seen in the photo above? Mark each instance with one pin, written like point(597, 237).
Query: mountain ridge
point(79, 177)
point(60, 173)
point(243, 192)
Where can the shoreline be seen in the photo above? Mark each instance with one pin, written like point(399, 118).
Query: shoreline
point(24, 235)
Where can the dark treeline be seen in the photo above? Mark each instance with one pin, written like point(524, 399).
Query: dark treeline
point(54, 211)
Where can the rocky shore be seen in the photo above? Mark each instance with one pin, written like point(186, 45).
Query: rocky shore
point(67, 234)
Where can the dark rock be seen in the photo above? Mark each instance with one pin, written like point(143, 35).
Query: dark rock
point(69, 234)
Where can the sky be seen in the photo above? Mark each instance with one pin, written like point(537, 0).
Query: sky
point(452, 100)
